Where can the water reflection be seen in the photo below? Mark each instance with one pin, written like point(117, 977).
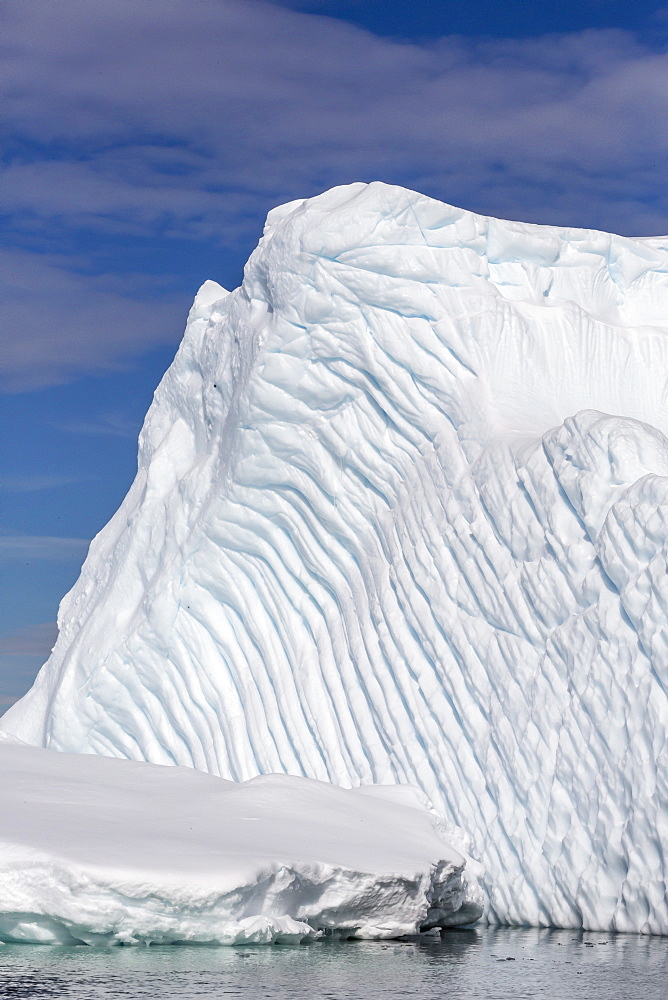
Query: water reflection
point(503, 964)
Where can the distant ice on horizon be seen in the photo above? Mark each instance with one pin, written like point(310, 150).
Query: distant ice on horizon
point(401, 516)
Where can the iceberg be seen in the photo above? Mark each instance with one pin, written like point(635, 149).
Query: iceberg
point(101, 851)
point(401, 517)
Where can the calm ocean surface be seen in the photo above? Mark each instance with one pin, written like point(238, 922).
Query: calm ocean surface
point(486, 963)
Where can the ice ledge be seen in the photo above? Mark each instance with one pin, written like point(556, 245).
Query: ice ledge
point(107, 851)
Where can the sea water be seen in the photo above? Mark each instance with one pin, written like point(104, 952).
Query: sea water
point(485, 963)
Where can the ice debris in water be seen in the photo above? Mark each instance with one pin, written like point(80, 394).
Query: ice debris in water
point(401, 517)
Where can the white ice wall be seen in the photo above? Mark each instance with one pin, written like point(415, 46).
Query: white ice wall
point(401, 516)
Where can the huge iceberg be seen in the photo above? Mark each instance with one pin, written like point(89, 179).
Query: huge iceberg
point(401, 516)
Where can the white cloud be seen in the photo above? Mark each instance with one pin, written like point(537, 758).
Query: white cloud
point(33, 640)
point(31, 547)
point(109, 425)
point(241, 84)
point(36, 483)
point(180, 120)
point(58, 322)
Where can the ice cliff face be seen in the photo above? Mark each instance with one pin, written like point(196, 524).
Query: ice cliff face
point(401, 515)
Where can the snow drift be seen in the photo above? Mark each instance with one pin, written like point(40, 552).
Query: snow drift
point(108, 851)
point(401, 515)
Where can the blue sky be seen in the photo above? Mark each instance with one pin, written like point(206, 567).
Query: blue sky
point(145, 142)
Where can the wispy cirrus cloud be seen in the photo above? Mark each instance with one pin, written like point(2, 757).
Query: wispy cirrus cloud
point(22, 653)
point(173, 104)
point(108, 425)
point(49, 547)
point(32, 640)
point(58, 321)
point(36, 483)
point(184, 122)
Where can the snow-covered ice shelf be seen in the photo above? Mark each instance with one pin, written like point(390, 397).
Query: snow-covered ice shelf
point(108, 851)
point(401, 515)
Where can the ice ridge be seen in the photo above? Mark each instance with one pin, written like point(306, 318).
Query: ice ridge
point(401, 516)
